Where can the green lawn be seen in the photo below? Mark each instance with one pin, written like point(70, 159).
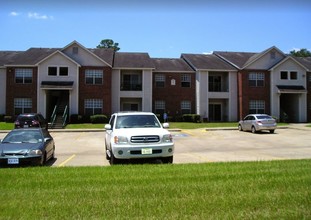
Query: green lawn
point(248, 190)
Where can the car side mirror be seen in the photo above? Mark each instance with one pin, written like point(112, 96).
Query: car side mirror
point(108, 127)
point(47, 139)
point(166, 125)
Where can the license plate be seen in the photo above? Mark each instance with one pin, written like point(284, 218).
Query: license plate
point(146, 151)
point(26, 126)
point(13, 161)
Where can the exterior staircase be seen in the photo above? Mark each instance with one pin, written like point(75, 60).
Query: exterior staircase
point(61, 107)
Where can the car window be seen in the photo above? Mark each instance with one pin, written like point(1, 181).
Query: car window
point(137, 121)
point(264, 117)
point(111, 122)
point(23, 137)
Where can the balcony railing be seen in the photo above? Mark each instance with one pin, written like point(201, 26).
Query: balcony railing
point(131, 87)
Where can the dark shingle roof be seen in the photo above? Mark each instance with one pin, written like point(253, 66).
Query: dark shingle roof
point(7, 56)
point(174, 65)
point(31, 56)
point(208, 62)
point(305, 61)
point(104, 54)
point(132, 60)
point(239, 59)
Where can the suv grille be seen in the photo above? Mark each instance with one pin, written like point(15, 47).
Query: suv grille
point(145, 139)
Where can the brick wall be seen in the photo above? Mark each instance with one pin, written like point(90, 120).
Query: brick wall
point(18, 90)
point(247, 93)
point(173, 95)
point(95, 91)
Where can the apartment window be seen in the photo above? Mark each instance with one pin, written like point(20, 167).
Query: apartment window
point(93, 106)
point(22, 105)
point(54, 71)
point(185, 80)
point(214, 83)
point(93, 77)
point(256, 79)
point(293, 75)
point(63, 71)
point(159, 106)
point(284, 75)
point(256, 107)
point(160, 80)
point(185, 107)
point(23, 76)
point(131, 81)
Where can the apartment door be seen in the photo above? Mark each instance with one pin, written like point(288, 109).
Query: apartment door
point(214, 112)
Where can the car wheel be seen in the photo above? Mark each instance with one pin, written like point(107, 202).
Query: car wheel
point(113, 160)
point(167, 159)
point(43, 159)
point(53, 154)
point(240, 128)
point(253, 130)
point(271, 131)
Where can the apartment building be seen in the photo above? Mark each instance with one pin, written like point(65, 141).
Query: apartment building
point(223, 86)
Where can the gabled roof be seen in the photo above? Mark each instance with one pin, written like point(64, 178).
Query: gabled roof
point(171, 65)
point(30, 57)
point(289, 58)
point(305, 61)
point(105, 54)
point(124, 60)
point(62, 54)
point(91, 52)
point(207, 62)
point(237, 59)
point(7, 56)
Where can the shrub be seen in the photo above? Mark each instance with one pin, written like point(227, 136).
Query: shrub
point(76, 119)
point(8, 118)
point(99, 119)
point(1, 117)
point(191, 118)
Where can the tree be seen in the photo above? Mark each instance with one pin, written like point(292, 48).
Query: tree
point(108, 43)
point(301, 53)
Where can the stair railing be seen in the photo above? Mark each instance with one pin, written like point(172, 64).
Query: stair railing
point(53, 117)
point(65, 116)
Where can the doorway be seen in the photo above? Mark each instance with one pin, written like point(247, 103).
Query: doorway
point(289, 107)
point(214, 112)
point(56, 100)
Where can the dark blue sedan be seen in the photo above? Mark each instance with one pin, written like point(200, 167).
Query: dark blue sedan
point(27, 146)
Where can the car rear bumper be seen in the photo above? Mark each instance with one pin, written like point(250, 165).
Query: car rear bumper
point(266, 127)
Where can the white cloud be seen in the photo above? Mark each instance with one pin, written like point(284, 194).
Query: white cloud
point(14, 13)
point(208, 53)
point(35, 15)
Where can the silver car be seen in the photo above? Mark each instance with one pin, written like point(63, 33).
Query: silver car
point(257, 122)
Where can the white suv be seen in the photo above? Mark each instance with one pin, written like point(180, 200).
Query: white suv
point(133, 135)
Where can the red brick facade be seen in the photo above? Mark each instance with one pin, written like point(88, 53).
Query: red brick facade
point(247, 92)
point(20, 90)
point(102, 91)
point(173, 95)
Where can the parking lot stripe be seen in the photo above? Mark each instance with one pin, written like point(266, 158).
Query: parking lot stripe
point(66, 161)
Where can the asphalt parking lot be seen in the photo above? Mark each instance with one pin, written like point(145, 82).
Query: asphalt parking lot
point(86, 148)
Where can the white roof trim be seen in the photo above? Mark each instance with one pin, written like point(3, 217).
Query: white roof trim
point(260, 55)
point(58, 52)
point(284, 60)
point(84, 48)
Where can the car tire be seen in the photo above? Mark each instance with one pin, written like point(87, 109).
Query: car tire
point(271, 131)
point(113, 160)
point(42, 160)
point(253, 130)
point(240, 128)
point(167, 159)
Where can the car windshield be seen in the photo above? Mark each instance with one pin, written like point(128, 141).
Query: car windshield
point(264, 117)
point(22, 136)
point(137, 121)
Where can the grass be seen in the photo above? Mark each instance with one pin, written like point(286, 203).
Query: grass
point(6, 126)
point(248, 190)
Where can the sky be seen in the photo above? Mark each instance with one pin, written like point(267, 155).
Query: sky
point(162, 28)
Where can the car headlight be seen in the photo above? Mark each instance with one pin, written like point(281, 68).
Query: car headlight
point(35, 152)
point(167, 138)
point(120, 140)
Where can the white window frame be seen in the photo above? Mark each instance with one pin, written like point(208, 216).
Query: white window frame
point(94, 74)
point(185, 105)
point(58, 71)
point(289, 74)
point(93, 104)
point(259, 106)
point(23, 73)
point(185, 78)
point(25, 104)
point(256, 77)
point(159, 80)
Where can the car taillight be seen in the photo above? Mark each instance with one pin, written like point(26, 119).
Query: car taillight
point(17, 122)
point(259, 122)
